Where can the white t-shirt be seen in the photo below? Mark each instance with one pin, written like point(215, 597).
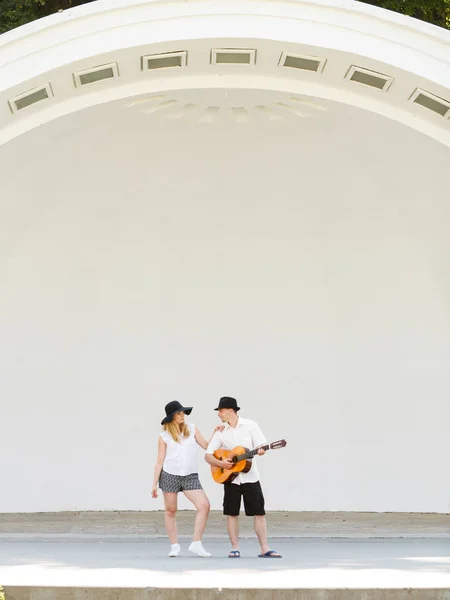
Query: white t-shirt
point(181, 457)
point(246, 433)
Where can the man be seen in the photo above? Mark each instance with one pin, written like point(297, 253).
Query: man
point(240, 432)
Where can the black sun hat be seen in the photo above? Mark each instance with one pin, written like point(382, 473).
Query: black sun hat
point(172, 408)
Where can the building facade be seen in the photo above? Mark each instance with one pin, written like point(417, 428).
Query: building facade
point(245, 198)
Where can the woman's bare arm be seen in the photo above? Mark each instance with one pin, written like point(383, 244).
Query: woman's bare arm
point(159, 465)
point(201, 440)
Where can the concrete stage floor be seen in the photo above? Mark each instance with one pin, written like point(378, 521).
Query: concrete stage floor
point(371, 556)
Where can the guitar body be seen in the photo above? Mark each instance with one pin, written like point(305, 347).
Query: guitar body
point(227, 475)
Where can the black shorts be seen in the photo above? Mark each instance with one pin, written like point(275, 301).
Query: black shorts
point(253, 499)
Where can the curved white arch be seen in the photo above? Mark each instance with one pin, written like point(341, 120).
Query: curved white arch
point(415, 54)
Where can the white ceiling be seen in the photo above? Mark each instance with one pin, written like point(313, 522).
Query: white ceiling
point(228, 134)
point(341, 33)
point(329, 161)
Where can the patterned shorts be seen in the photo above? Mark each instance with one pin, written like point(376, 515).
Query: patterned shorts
point(179, 483)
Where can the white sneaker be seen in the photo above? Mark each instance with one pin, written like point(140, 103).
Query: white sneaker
point(175, 550)
point(197, 548)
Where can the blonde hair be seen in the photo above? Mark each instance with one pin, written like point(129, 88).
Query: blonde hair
point(177, 430)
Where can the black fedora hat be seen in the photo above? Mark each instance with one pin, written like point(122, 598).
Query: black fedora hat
point(227, 402)
point(172, 408)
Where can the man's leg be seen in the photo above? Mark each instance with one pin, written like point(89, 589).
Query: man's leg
point(254, 507)
point(261, 532)
point(231, 507)
point(233, 531)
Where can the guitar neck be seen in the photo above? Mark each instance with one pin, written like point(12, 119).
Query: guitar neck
point(251, 453)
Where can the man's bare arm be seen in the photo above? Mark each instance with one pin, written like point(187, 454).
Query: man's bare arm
point(226, 463)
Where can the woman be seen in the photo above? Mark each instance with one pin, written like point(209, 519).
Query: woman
point(176, 471)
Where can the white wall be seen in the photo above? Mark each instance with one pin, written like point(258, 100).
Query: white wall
point(301, 266)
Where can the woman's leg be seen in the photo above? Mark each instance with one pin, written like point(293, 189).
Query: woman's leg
point(201, 503)
point(170, 505)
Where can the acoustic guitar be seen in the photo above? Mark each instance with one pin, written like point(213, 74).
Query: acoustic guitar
point(240, 457)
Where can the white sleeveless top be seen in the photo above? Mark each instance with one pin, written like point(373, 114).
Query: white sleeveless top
point(181, 457)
